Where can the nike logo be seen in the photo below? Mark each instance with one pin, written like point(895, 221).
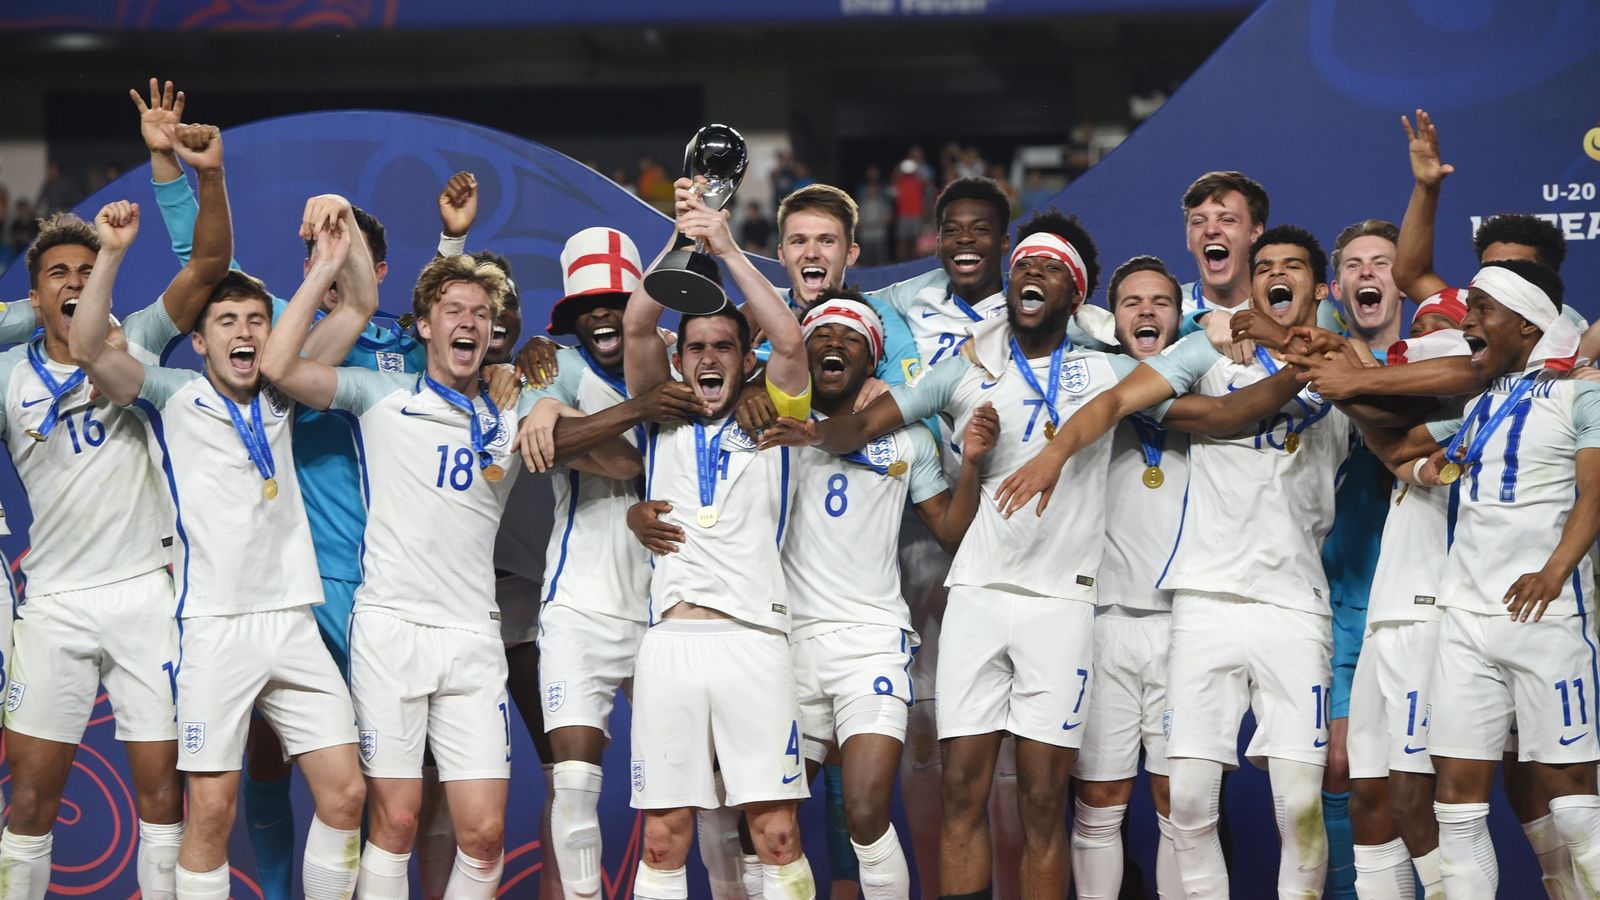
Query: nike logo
point(1567, 742)
point(986, 385)
point(202, 404)
point(1319, 743)
point(28, 403)
point(1068, 726)
point(791, 778)
point(1411, 749)
point(263, 826)
point(407, 412)
point(929, 313)
point(1231, 386)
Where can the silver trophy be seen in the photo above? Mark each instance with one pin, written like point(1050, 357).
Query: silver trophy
point(687, 279)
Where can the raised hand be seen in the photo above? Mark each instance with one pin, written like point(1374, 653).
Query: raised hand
point(321, 212)
point(198, 145)
point(981, 434)
point(117, 224)
point(164, 108)
point(1424, 147)
point(458, 204)
point(699, 222)
point(332, 247)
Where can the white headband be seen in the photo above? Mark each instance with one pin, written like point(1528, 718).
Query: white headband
point(856, 316)
point(1558, 348)
point(1043, 243)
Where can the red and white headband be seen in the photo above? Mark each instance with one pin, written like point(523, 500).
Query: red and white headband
point(1043, 243)
point(1447, 303)
point(852, 314)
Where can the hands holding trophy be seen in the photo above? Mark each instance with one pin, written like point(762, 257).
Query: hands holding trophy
point(686, 279)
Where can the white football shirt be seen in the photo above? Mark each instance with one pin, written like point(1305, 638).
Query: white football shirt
point(427, 555)
point(100, 509)
point(1405, 584)
point(1141, 522)
point(235, 551)
point(1257, 514)
point(841, 557)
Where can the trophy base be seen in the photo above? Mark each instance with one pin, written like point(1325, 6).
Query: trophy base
point(688, 282)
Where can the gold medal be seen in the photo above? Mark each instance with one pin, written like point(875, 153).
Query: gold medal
point(493, 472)
point(269, 489)
point(36, 435)
point(1449, 472)
point(1292, 442)
point(706, 517)
point(898, 468)
point(1153, 477)
point(1049, 431)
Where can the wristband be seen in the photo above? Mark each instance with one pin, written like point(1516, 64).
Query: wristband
point(1416, 469)
point(452, 246)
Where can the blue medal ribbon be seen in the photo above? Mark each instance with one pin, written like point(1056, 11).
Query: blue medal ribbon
point(619, 384)
point(57, 389)
point(1152, 440)
point(1486, 430)
point(460, 401)
point(1055, 376)
point(1195, 295)
point(254, 435)
point(707, 455)
point(962, 305)
point(1312, 414)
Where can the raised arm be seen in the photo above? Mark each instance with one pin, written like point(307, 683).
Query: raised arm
point(308, 381)
point(643, 364)
point(1413, 259)
point(113, 371)
point(201, 147)
point(332, 337)
point(165, 108)
point(1143, 388)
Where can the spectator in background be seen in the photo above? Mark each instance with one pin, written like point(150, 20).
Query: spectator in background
point(104, 175)
point(997, 173)
point(654, 187)
point(911, 189)
point(783, 178)
point(802, 177)
point(620, 176)
point(876, 215)
point(1036, 190)
point(24, 225)
point(58, 193)
point(971, 164)
point(755, 230)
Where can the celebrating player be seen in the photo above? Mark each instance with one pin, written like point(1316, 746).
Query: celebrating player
point(97, 615)
point(1223, 214)
point(249, 635)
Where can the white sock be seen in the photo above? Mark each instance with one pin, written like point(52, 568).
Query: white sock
point(885, 875)
point(1097, 850)
point(1168, 885)
point(474, 879)
point(213, 885)
point(1196, 804)
point(1578, 819)
point(1466, 852)
point(1297, 800)
point(1383, 872)
point(332, 861)
point(158, 859)
point(791, 881)
point(383, 874)
point(1427, 866)
point(754, 878)
point(575, 827)
point(24, 865)
point(717, 833)
point(1555, 861)
point(660, 884)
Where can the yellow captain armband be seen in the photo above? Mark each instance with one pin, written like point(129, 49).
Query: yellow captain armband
point(796, 407)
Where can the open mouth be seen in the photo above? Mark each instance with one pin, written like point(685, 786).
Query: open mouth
point(967, 262)
point(1279, 296)
point(1032, 297)
point(606, 338)
point(463, 350)
point(69, 307)
point(813, 278)
point(1368, 299)
point(1147, 338)
point(710, 384)
point(831, 364)
point(1477, 345)
point(1216, 256)
point(242, 358)
point(497, 337)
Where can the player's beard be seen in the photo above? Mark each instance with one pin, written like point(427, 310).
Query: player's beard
point(1053, 321)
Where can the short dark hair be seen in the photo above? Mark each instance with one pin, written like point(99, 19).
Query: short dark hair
point(974, 187)
point(1213, 185)
point(377, 241)
point(489, 256)
point(1069, 229)
point(1293, 234)
point(1547, 241)
point(1543, 277)
point(235, 285)
point(1364, 228)
point(728, 311)
point(1140, 264)
point(60, 230)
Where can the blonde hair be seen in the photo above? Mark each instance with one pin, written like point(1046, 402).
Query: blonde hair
point(444, 271)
